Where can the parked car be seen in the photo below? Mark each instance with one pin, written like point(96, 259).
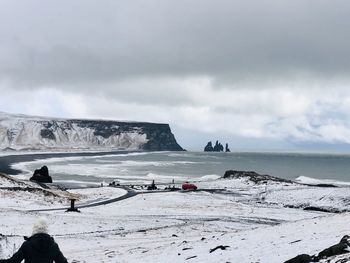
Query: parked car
point(188, 186)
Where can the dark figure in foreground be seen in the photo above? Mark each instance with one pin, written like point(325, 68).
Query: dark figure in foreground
point(39, 248)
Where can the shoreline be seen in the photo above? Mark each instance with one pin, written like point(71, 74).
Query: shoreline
point(183, 224)
point(7, 160)
point(298, 175)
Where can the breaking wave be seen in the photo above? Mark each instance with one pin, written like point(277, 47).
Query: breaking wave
point(310, 180)
point(209, 177)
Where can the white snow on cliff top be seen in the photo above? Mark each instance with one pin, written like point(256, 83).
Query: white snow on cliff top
point(17, 116)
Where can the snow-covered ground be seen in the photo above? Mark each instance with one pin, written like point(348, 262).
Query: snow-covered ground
point(252, 220)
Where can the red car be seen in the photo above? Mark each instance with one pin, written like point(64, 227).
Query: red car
point(188, 186)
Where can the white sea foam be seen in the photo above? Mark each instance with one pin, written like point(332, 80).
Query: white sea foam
point(167, 178)
point(23, 165)
point(183, 154)
point(118, 155)
point(209, 177)
point(186, 166)
point(310, 180)
point(153, 163)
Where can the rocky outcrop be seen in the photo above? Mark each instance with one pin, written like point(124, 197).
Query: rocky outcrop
point(253, 177)
point(22, 132)
point(303, 258)
point(337, 249)
point(218, 147)
point(209, 147)
point(41, 175)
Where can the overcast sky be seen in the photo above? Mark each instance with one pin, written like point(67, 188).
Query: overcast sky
point(260, 75)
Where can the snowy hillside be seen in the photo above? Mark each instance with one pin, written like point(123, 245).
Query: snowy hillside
point(243, 222)
point(21, 132)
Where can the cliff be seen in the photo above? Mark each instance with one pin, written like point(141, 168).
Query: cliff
point(22, 132)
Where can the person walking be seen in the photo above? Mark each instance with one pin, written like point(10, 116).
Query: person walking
point(39, 248)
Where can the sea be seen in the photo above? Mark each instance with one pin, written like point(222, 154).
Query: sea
point(177, 167)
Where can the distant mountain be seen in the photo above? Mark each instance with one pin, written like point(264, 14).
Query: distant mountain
point(22, 132)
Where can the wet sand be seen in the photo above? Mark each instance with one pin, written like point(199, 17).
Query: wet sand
point(7, 161)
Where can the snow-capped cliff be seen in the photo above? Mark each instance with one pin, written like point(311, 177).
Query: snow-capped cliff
point(22, 132)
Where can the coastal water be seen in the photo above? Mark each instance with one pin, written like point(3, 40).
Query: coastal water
point(163, 167)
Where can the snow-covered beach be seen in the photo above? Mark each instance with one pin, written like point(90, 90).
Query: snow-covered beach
point(253, 222)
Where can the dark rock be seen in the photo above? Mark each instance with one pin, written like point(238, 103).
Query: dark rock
point(160, 138)
point(345, 240)
point(227, 149)
point(338, 249)
point(253, 176)
point(10, 135)
point(303, 258)
point(218, 247)
point(209, 147)
point(41, 175)
point(334, 250)
point(296, 241)
point(47, 134)
point(218, 147)
point(317, 209)
point(321, 209)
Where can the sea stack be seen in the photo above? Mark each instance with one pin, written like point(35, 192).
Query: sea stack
point(218, 147)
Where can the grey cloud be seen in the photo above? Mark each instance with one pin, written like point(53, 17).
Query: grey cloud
point(269, 70)
point(79, 42)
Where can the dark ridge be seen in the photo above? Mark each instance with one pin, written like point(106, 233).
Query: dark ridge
point(317, 209)
point(321, 209)
point(325, 185)
point(254, 177)
point(326, 254)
